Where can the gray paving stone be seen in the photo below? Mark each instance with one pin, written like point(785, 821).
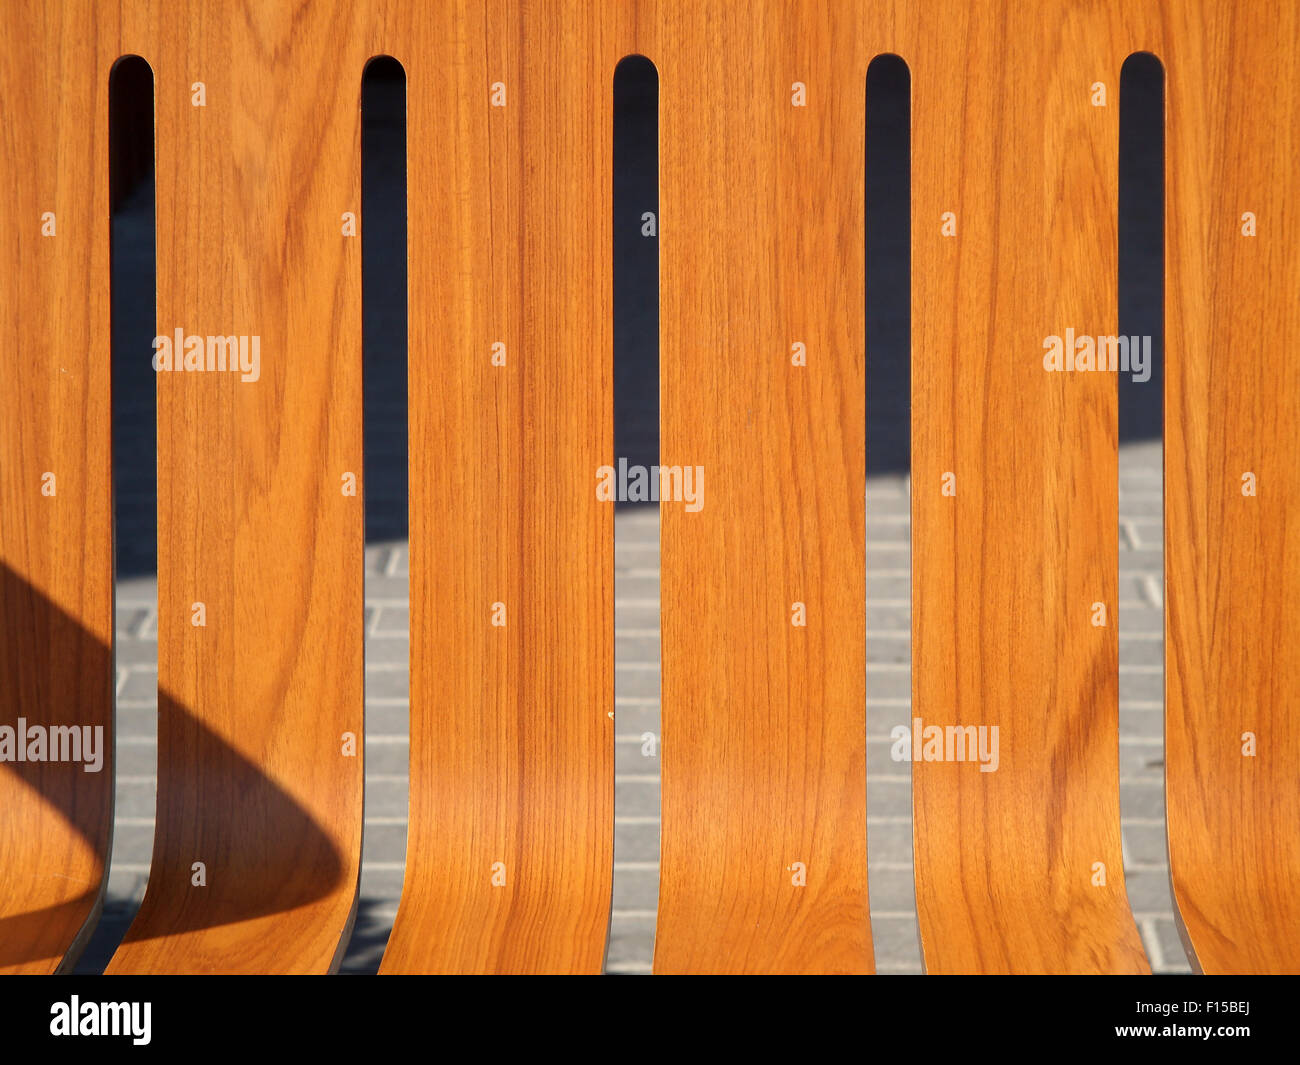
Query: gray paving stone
point(891, 890)
point(1141, 686)
point(387, 719)
point(387, 796)
point(134, 843)
point(896, 650)
point(639, 650)
point(1138, 619)
point(637, 683)
point(636, 842)
point(892, 589)
point(888, 557)
point(892, 795)
point(1140, 503)
point(887, 619)
point(388, 650)
point(382, 884)
point(1138, 652)
point(1141, 723)
point(627, 587)
point(1146, 759)
point(389, 759)
point(387, 684)
point(139, 683)
point(1148, 891)
point(1170, 946)
point(636, 718)
point(880, 757)
point(399, 561)
point(384, 590)
point(136, 759)
point(636, 798)
point(638, 891)
point(1145, 844)
point(637, 794)
point(635, 617)
point(631, 945)
point(881, 505)
point(128, 620)
point(889, 684)
point(895, 940)
point(890, 842)
point(135, 799)
point(383, 843)
point(631, 757)
point(1146, 560)
point(1144, 802)
point(391, 619)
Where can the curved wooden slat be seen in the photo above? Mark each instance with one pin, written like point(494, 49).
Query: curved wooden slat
point(763, 857)
point(1232, 403)
point(56, 563)
point(763, 729)
point(256, 779)
point(510, 846)
point(1018, 870)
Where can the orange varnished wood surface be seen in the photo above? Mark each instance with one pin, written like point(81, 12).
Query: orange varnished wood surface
point(509, 857)
point(1232, 562)
point(764, 728)
point(510, 847)
point(252, 521)
point(56, 590)
point(1006, 572)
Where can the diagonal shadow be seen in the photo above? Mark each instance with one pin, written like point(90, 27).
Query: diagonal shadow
point(52, 673)
point(214, 805)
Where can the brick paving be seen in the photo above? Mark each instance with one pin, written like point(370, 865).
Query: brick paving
point(636, 829)
point(637, 568)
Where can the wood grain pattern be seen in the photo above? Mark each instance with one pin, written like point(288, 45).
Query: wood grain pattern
point(56, 569)
point(253, 523)
point(763, 756)
point(1232, 406)
point(510, 846)
point(761, 237)
point(1006, 572)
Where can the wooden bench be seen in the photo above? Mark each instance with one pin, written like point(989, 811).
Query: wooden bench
point(763, 595)
point(1015, 597)
point(510, 849)
point(1232, 411)
point(257, 847)
point(257, 844)
point(56, 531)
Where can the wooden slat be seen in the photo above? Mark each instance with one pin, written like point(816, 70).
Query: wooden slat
point(761, 234)
point(253, 523)
point(510, 847)
point(763, 722)
point(1232, 407)
point(1006, 572)
point(56, 570)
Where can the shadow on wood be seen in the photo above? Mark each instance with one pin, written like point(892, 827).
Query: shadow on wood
point(273, 875)
point(56, 822)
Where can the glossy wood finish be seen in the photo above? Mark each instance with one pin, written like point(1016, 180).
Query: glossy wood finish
point(56, 590)
point(1233, 407)
point(761, 241)
point(1006, 572)
point(761, 238)
point(252, 776)
point(510, 845)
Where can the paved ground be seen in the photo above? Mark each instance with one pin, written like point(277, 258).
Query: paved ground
point(636, 420)
point(637, 697)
